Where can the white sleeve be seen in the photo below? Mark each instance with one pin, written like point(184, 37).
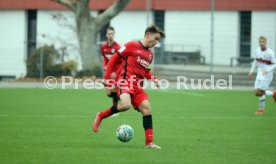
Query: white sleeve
point(254, 65)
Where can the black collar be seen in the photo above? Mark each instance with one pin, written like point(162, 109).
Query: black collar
point(143, 45)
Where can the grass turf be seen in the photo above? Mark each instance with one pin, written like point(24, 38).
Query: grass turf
point(54, 126)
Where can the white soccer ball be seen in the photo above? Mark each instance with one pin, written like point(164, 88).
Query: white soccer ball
point(124, 133)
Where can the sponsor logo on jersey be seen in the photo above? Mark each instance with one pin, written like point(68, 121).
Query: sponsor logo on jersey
point(143, 62)
point(108, 56)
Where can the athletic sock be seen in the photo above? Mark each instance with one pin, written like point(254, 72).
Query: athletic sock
point(268, 93)
point(108, 112)
point(115, 98)
point(262, 102)
point(147, 124)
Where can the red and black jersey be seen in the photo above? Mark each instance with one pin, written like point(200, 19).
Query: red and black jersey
point(136, 61)
point(107, 51)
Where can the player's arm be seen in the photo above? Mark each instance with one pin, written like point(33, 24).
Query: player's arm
point(253, 67)
point(149, 76)
point(111, 64)
point(118, 68)
point(109, 78)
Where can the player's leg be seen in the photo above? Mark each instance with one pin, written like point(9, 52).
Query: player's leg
point(262, 91)
point(261, 95)
point(112, 93)
point(140, 102)
point(123, 105)
point(114, 97)
point(145, 110)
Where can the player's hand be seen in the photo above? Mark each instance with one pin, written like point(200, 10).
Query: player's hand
point(156, 81)
point(250, 75)
point(104, 82)
point(109, 83)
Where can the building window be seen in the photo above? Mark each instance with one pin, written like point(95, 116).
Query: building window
point(159, 18)
point(245, 33)
point(31, 30)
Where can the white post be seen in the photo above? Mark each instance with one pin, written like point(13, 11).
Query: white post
point(212, 38)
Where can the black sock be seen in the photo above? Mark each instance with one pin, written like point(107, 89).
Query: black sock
point(147, 122)
point(114, 109)
point(114, 95)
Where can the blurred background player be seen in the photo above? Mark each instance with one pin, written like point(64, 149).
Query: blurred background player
point(265, 61)
point(108, 48)
point(137, 58)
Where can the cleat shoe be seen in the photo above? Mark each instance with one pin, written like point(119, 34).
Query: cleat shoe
point(152, 146)
point(274, 96)
point(260, 111)
point(97, 123)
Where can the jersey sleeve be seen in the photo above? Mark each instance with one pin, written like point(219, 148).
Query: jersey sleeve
point(253, 67)
point(111, 64)
point(123, 52)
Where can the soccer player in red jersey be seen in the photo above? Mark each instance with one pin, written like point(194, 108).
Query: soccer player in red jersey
point(137, 57)
point(107, 50)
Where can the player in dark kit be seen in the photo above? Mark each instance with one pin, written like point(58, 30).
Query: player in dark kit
point(137, 57)
point(107, 50)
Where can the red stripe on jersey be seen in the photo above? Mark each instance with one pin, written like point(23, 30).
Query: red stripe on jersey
point(268, 62)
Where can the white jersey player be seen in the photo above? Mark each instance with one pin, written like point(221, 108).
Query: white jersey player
point(265, 62)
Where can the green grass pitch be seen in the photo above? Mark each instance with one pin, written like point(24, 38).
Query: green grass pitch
point(54, 126)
